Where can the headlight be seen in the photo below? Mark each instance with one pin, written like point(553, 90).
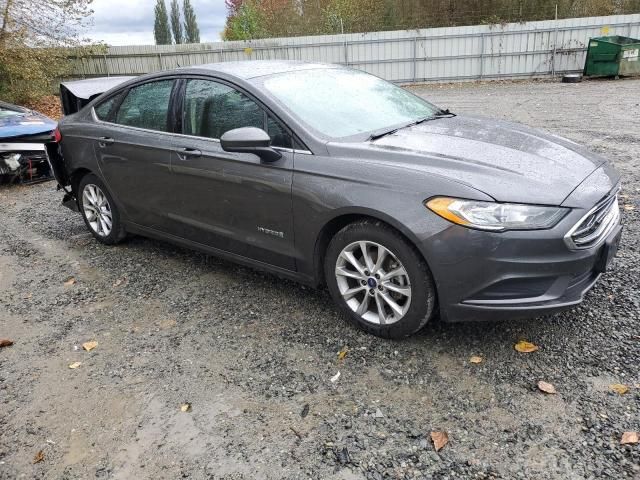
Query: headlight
point(496, 217)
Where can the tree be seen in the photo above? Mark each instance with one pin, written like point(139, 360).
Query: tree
point(176, 24)
point(161, 29)
point(247, 19)
point(246, 23)
point(38, 42)
point(191, 30)
point(233, 6)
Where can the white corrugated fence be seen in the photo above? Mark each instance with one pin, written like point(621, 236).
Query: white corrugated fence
point(512, 50)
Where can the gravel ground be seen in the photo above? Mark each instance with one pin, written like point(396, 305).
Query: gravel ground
point(254, 354)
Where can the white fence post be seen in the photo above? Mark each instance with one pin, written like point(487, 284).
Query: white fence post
point(555, 43)
point(415, 55)
point(481, 55)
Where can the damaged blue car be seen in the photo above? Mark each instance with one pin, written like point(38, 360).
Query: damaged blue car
point(23, 134)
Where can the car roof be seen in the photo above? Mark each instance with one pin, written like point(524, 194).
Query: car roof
point(248, 69)
point(87, 88)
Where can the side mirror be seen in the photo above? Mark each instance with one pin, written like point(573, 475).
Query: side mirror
point(249, 140)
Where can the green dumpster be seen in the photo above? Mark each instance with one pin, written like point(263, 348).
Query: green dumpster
point(612, 56)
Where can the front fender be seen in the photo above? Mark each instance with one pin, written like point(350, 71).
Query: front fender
point(329, 191)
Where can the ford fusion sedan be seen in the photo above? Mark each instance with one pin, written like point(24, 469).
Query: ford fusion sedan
point(328, 175)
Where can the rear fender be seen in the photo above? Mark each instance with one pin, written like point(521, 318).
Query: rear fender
point(56, 161)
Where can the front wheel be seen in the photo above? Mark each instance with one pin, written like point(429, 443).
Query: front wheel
point(379, 280)
point(99, 211)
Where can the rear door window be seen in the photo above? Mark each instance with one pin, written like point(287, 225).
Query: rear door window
point(146, 106)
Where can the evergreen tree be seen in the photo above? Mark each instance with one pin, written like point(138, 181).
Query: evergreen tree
point(176, 24)
point(191, 30)
point(161, 30)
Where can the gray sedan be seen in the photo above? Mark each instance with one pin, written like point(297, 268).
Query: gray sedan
point(328, 175)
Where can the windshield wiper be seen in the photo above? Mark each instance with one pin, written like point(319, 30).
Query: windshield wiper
point(440, 114)
point(444, 114)
point(376, 136)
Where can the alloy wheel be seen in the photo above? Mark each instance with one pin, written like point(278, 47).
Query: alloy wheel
point(373, 282)
point(97, 210)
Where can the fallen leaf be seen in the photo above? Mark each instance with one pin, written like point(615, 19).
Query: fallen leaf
point(69, 281)
point(439, 439)
point(75, 365)
point(335, 378)
point(5, 342)
point(39, 457)
point(630, 438)
point(619, 388)
point(525, 347)
point(629, 208)
point(186, 407)
point(476, 359)
point(342, 354)
point(28, 295)
point(546, 387)
point(88, 346)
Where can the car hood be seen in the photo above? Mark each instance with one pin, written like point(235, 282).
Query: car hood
point(508, 161)
point(27, 123)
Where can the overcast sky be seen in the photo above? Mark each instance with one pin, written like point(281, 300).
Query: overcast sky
point(130, 22)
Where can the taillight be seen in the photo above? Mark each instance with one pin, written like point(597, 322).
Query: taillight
point(57, 136)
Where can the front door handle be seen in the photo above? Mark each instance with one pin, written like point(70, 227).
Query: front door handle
point(184, 153)
point(104, 141)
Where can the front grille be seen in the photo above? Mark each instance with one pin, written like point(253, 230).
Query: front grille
point(595, 225)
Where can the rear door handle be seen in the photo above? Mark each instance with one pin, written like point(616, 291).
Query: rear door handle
point(184, 153)
point(104, 141)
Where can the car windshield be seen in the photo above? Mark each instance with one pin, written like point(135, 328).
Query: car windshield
point(341, 102)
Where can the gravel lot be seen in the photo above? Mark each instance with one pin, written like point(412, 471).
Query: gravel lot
point(254, 354)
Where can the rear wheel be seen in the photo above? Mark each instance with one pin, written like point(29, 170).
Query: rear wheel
point(379, 280)
point(99, 211)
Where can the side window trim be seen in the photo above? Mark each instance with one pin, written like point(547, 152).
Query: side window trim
point(268, 113)
point(177, 105)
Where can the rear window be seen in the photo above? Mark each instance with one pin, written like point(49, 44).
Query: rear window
point(146, 106)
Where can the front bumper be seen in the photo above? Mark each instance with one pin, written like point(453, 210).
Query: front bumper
point(497, 276)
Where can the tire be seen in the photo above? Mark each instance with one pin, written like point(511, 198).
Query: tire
point(572, 78)
point(411, 312)
point(92, 192)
